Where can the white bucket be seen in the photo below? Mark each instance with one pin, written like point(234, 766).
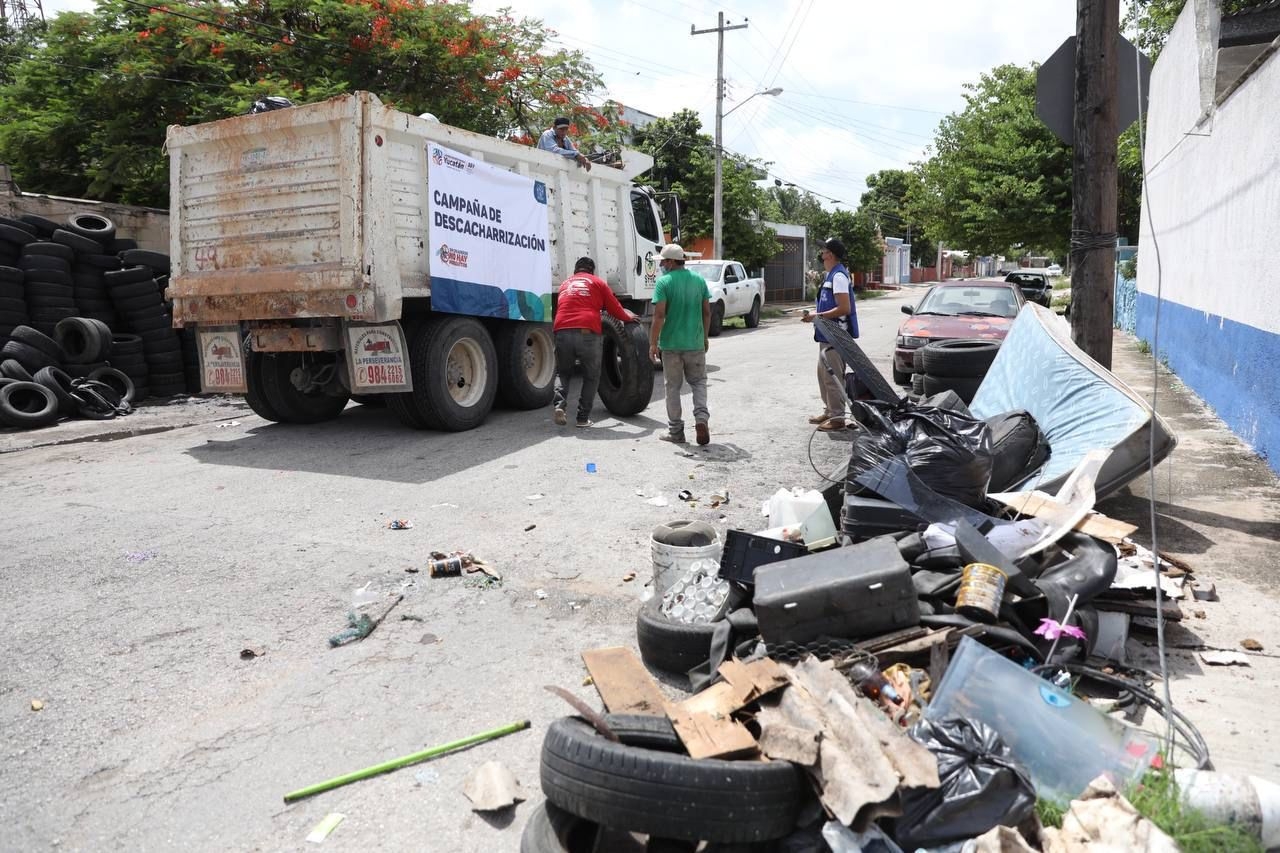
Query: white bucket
point(676, 545)
point(1245, 801)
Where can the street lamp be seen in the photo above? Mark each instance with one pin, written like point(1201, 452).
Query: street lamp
point(717, 232)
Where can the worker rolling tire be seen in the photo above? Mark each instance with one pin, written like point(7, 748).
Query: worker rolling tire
point(666, 793)
point(27, 405)
point(292, 404)
point(526, 364)
point(717, 320)
point(964, 386)
point(669, 646)
point(254, 395)
point(455, 374)
point(626, 375)
point(752, 318)
point(962, 358)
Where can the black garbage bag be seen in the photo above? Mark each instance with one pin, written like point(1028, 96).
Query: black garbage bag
point(948, 451)
point(1018, 446)
point(982, 786)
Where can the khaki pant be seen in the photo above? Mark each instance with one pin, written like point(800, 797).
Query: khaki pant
point(830, 386)
point(678, 367)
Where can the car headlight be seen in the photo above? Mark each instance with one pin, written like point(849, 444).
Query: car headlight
point(908, 341)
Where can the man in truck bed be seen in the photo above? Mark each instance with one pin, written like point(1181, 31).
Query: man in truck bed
point(579, 336)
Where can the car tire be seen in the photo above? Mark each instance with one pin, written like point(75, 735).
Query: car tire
point(752, 318)
point(962, 358)
point(626, 375)
point(39, 341)
point(16, 236)
point(667, 794)
point(900, 378)
point(83, 341)
point(917, 360)
point(717, 320)
point(117, 380)
point(255, 395)
point(97, 228)
point(57, 381)
point(152, 260)
point(964, 386)
point(76, 243)
point(526, 364)
point(668, 646)
point(12, 369)
point(917, 383)
point(43, 227)
point(49, 249)
point(554, 830)
point(27, 405)
point(293, 406)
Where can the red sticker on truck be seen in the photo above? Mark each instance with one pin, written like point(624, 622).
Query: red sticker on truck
point(376, 355)
point(221, 360)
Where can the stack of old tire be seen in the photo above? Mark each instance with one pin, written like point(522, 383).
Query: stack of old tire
point(954, 365)
point(43, 379)
point(139, 300)
point(128, 356)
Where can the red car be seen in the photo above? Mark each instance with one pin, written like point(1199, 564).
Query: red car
point(951, 310)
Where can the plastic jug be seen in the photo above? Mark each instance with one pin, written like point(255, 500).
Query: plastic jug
point(806, 509)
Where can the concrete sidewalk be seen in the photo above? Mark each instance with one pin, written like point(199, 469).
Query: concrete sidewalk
point(1217, 507)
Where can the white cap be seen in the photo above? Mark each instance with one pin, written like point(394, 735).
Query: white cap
point(428, 117)
point(672, 252)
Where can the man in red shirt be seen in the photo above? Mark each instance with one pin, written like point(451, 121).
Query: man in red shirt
point(579, 336)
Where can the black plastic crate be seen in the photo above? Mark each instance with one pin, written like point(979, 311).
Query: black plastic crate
point(745, 552)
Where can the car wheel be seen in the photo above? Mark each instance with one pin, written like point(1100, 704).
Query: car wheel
point(626, 376)
point(717, 319)
point(753, 316)
point(900, 378)
point(961, 358)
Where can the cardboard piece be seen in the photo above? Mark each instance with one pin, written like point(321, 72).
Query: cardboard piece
point(492, 787)
point(625, 686)
point(1225, 658)
point(704, 721)
point(1041, 505)
point(708, 736)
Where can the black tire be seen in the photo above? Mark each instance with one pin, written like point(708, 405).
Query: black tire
point(13, 369)
point(82, 371)
point(121, 245)
point(255, 396)
point(143, 303)
point(293, 406)
point(673, 647)
point(717, 320)
point(27, 405)
point(44, 227)
point(150, 322)
point(57, 278)
point(900, 378)
point(554, 830)
point(152, 260)
point(125, 344)
point(57, 381)
point(917, 360)
point(97, 228)
point(10, 305)
point(128, 275)
point(665, 793)
point(454, 366)
point(50, 250)
point(626, 375)
point(19, 224)
point(117, 380)
point(752, 318)
point(917, 383)
point(16, 236)
point(84, 341)
point(11, 275)
point(28, 263)
point(45, 344)
point(76, 243)
point(99, 264)
point(964, 386)
point(959, 358)
point(526, 364)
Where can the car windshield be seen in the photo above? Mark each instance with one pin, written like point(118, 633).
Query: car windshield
point(974, 301)
point(1023, 279)
point(710, 272)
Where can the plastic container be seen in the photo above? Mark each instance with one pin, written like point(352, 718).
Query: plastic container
point(1247, 801)
point(745, 552)
point(981, 591)
point(677, 545)
point(1064, 743)
point(806, 510)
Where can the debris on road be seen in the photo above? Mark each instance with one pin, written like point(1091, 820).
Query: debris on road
point(536, 497)
point(541, 593)
point(427, 776)
point(325, 827)
point(445, 565)
point(1252, 645)
point(136, 557)
point(1225, 658)
point(628, 577)
point(397, 763)
point(37, 705)
point(1208, 594)
point(361, 626)
point(591, 467)
point(492, 787)
point(686, 495)
point(529, 527)
point(226, 424)
point(399, 524)
point(251, 653)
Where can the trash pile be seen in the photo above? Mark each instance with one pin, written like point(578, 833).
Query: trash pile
point(916, 676)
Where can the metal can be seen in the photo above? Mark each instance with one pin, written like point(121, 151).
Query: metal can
point(981, 591)
point(444, 567)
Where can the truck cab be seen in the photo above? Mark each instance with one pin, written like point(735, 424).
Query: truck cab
point(733, 292)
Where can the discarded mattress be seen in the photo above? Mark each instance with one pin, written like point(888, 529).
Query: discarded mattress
point(1079, 405)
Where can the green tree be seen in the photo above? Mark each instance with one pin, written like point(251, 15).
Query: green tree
point(885, 202)
point(1152, 20)
point(998, 177)
point(858, 233)
point(684, 163)
point(87, 107)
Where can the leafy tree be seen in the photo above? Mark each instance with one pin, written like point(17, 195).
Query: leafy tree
point(86, 109)
point(684, 163)
point(998, 177)
point(858, 233)
point(885, 202)
point(1153, 19)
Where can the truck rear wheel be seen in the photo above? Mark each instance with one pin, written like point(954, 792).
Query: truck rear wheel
point(753, 316)
point(717, 320)
point(455, 375)
point(526, 364)
point(626, 377)
point(254, 396)
point(294, 383)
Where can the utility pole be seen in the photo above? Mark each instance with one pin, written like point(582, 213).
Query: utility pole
point(718, 212)
point(1093, 178)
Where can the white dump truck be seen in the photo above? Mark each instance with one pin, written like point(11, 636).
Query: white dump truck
point(345, 249)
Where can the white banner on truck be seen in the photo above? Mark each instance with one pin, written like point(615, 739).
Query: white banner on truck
point(490, 254)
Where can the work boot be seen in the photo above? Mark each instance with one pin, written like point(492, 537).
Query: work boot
point(704, 433)
point(560, 418)
point(673, 437)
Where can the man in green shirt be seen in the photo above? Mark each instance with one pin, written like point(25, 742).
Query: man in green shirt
point(681, 318)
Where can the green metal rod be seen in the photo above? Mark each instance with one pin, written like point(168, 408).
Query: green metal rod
point(397, 763)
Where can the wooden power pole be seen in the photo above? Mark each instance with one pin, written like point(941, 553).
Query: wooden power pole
point(1093, 178)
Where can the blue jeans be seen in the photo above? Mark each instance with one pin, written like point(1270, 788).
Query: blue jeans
point(586, 348)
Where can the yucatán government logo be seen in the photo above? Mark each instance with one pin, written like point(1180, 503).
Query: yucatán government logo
point(452, 257)
point(437, 156)
point(540, 192)
point(440, 158)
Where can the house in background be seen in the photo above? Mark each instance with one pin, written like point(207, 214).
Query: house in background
point(1207, 272)
point(896, 267)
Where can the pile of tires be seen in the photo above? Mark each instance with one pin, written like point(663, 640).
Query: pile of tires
point(43, 379)
point(645, 782)
point(956, 365)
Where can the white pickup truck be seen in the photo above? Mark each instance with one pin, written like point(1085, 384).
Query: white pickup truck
point(733, 294)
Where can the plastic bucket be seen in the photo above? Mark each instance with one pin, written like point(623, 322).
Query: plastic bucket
point(676, 545)
point(981, 590)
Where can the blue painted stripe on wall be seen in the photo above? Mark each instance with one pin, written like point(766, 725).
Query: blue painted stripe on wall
point(1231, 366)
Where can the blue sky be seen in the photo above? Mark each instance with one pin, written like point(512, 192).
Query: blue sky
point(864, 83)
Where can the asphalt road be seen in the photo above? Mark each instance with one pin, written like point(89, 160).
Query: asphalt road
point(136, 570)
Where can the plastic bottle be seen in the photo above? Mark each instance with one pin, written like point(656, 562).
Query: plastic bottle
point(871, 681)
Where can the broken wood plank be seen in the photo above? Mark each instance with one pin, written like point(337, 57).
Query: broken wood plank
point(754, 679)
point(885, 641)
point(1041, 505)
point(625, 686)
point(918, 646)
point(1172, 611)
point(708, 736)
